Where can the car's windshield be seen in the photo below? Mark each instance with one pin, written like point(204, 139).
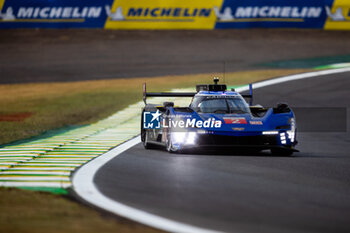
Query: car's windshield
point(220, 104)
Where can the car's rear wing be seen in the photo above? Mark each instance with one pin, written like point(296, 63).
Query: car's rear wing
point(165, 94)
point(191, 94)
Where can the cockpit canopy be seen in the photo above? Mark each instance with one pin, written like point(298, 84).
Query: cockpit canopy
point(234, 104)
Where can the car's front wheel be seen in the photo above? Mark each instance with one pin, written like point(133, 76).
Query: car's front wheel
point(169, 144)
point(145, 141)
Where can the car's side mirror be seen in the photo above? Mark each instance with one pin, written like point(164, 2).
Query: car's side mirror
point(168, 104)
point(281, 108)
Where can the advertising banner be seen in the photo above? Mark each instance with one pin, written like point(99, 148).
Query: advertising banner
point(53, 14)
point(272, 14)
point(175, 14)
point(156, 14)
point(338, 15)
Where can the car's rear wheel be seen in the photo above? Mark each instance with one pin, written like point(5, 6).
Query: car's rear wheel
point(145, 142)
point(281, 152)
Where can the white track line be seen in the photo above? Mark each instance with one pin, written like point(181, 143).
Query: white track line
point(84, 186)
point(293, 78)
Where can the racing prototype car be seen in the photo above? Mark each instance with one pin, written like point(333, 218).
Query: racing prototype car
point(217, 118)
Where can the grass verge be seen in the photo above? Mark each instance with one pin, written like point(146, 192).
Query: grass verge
point(27, 110)
point(30, 211)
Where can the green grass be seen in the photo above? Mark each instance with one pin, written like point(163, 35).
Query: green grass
point(39, 212)
point(58, 105)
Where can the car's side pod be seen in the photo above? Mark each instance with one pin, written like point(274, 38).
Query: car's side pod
point(281, 108)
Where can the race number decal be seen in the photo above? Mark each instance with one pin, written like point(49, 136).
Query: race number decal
point(235, 120)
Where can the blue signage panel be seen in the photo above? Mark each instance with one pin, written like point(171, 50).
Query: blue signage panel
point(272, 13)
point(54, 13)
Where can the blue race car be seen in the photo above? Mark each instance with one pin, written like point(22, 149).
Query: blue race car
point(217, 118)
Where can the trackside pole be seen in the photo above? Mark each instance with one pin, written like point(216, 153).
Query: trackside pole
point(144, 93)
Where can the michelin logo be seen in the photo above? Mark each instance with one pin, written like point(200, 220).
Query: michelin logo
point(337, 15)
point(51, 13)
point(225, 16)
point(267, 11)
point(119, 15)
point(8, 15)
point(115, 16)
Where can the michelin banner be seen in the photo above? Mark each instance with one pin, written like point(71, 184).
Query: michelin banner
point(53, 13)
point(175, 14)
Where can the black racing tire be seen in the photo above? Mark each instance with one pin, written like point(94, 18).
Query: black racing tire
point(143, 131)
point(145, 142)
point(169, 144)
point(281, 152)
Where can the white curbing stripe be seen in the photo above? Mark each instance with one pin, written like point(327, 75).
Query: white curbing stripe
point(35, 164)
point(36, 184)
point(34, 173)
point(43, 168)
point(18, 155)
point(84, 186)
point(33, 178)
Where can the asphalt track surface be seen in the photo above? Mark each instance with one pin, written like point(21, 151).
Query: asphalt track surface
point(48, 55)
point(235, 192)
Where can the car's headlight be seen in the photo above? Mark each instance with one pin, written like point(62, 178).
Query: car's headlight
point(291, 132)
point(184, 137)
point(283, 138)
point(191, 138)
point(178, 137)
